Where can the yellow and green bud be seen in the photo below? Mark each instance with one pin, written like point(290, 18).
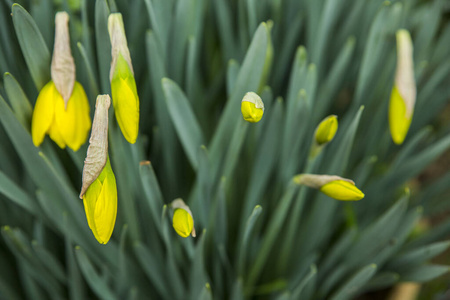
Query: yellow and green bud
point(333, 186)
point(99, 191)
point(183, 221)
point(252, 107)
point(326, 130)
point(62, 109)
point(123, 85)
point(403, 96)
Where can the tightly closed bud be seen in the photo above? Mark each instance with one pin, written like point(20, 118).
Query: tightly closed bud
point(183, 222)
point(99, 191)
point(331, 185)
point(252, 107)
point(326, 130)
point(123, 86)
point(62, 108)
point(403, 96)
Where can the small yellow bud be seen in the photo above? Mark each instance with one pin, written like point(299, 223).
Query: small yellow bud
point(183, 222)
point(252, 107)
point(403, 96)
point(326, 130)
point(123, 85)
point(331, 185)
point(100, 204)
point(342, 190)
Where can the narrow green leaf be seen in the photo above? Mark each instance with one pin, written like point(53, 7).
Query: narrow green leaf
point(198, 275)
point(34, 49)
point(297, 291)
point(97, 283)
point(103, 44)
point(19, 101)
point(184, 120)
point(248, 229)
point(13, 192)
point(232, 73)
point(417, 256)
point(151, 190)
point(355, 283)
point(425, 273)
point(382, 280)
point(51, 263)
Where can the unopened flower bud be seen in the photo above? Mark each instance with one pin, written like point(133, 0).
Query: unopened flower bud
point(333, 186)
point(123, 85)
point(99, 191)
point(252, 107)
point(183, 221)
point(326, 130)
point(403, 96)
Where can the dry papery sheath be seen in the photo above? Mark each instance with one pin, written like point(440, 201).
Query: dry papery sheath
point(317, 181)
point(97, 152)
point(63, 66)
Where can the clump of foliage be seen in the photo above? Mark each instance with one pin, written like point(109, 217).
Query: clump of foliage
point(259, 234)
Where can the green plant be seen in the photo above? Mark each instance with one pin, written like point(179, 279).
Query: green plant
point(259, 234)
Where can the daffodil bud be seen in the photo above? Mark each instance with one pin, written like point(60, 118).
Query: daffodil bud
point(63, 65)
point(403, 96)
point(252, 107)
point(99, 191)
point(183, 222)
point(331, 185)
point(62, 108)
point(326, 130)
point(123, 86)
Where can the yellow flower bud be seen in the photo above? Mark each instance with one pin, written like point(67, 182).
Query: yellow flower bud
point(331, 185)
point(123, 85)
point(99, 192)
point(403, 96)
point(183, 222)
point(65, 126)
point(252, 107)
point(326, 130)
point(62, 108)
point(342, 190)
point(100, 204)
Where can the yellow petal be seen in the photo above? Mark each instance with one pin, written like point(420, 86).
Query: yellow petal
point(106, 209)
point(182, 222)
point(43, 113)
point(125, 100)
point(326, 130)
point(399, 121)
point(74, 121)
point(342, 190)
point(89, 201)
point(250, 113)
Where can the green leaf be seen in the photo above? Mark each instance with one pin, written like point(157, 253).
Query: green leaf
point(152, 191)
point(248, 229)
point(33, 46)
point(18, 100)
point(417, 256)
point(97, 284)
point(297, 291)
point(355, 283)
point(103, 44)
point(425, 273)
point(184, 120)
point(13, 192)
point(382, 280)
